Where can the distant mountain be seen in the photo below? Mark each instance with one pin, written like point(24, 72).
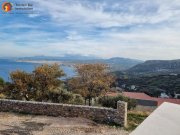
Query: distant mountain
point(122, 63)
point(115, 63)
point(67, 57)
point(156, 66)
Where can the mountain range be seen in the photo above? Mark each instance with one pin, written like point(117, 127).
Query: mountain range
point(116, 63)
point(127, 65)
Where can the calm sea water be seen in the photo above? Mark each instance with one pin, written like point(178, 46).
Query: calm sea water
point(7, 66)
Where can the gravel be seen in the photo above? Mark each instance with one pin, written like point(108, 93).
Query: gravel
point(23, 124)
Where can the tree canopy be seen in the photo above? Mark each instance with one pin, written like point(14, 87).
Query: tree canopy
point(40, 85)
point(92, 80)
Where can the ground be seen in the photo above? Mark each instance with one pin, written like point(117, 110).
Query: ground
point(23, 124)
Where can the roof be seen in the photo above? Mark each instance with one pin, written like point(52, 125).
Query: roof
point(165, 120)
point(143, 96)
point(136, 95)
point(162, 100)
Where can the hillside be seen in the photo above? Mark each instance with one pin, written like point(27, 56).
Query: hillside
point(156, 66)
point(116, 63)
point(152, 85)
point(122, 63)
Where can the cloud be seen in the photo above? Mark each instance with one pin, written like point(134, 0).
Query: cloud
point(18, 26)
point(105, 14)
point(141, 29)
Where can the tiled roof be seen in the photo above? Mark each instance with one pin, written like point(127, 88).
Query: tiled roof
point(170, 100)
point(143, 96)
point(136, 95)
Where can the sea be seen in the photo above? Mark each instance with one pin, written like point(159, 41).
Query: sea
point(7, 66)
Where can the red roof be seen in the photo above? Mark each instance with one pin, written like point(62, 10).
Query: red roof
point(170, 100)
point(143, 96)
point(136, 95)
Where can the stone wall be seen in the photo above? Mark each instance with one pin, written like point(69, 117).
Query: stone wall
point(99, 114)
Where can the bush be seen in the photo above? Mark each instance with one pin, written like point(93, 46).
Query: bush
point(112, 101)
point(1, 82)
point(65, 97)
point(77, 99)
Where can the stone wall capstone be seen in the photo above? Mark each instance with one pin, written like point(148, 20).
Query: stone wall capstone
point(99, 114)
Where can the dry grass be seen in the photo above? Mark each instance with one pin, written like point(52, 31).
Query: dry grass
point(135, 118)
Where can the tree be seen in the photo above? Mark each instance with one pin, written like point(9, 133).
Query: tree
point(47, 80)
point(92, 81)
point(21, 85)
point(42, 84)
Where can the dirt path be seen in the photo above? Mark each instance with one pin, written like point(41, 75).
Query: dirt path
point(18, 124)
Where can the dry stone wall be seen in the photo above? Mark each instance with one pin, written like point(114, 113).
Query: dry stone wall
point(99, 114)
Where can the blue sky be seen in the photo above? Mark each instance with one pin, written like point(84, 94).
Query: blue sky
point(141, 29)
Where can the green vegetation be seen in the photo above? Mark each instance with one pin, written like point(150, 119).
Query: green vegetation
point(1, 82)
point(135, 118)
point(112, 101)
point(152, 85)
point(156, 67)
point(152, 77)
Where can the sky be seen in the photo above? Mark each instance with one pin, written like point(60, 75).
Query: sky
point(139, 29)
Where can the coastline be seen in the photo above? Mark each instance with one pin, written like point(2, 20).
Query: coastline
point(41, 62)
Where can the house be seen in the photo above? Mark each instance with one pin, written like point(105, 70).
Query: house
point(164, 95)
point(144, 99)
point(141, 98)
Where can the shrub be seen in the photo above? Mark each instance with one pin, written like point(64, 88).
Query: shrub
point(68, 97)
point(77, 99)
point(1, 82)
point(65, 97)
point(112, 101)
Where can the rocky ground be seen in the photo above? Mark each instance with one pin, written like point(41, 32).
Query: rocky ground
point(21, 124)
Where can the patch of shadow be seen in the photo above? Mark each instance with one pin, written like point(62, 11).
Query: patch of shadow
point(26, 129)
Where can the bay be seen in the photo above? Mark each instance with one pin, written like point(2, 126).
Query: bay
point(7, 66)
